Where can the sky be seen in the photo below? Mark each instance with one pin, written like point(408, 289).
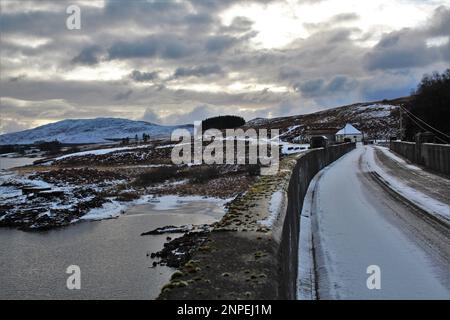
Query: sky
point(174, 62)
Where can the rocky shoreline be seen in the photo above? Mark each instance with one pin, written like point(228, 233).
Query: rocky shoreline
point(177, 252)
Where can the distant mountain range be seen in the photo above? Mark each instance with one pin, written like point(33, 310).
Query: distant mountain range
point(376, 119)
point(88, 131)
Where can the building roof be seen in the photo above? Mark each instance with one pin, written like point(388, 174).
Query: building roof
point(348, 130)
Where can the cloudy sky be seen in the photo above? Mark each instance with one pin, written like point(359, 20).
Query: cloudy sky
point(173, 62)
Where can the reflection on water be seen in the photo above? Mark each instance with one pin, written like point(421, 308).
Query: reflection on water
point(114, 259)
point(7, 163)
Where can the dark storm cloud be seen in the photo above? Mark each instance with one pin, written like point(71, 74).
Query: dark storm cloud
point(288, 73)
point(320, 87)
point(123, 95)
point(408, 48)
point(199, 19)
point(197, 16)
point(400, 50)
point(88, 56)
point(170, 46)
point(146, 13)
point(139, 76)
point(217, 44)
point(310, 87)
point(33, 22)
point(198, 71)
point(340, 84)
point(162, 45)
point(439, 24)
point(138, 49)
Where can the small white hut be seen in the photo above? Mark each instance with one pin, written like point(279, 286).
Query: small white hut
point(349, 132)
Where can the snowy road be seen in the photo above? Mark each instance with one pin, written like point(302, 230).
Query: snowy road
point(356, 223)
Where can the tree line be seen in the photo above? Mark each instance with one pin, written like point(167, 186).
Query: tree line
point(222, 122)
point(430, 102)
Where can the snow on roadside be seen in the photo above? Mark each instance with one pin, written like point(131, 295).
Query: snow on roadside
point(275, 205)
point(306, 282)
point(430, 205)
point(396, 158)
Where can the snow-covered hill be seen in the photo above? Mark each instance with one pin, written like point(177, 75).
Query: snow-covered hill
point(377, 120)
point(88, 131)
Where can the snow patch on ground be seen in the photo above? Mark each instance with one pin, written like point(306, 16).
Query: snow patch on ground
point(114, 208)
point(378, 110)
point(106, 211)
point(275, 205)
point(9, 192)
point(289, 130)
point(169, 202)
point(99, 152)
point(24, 180)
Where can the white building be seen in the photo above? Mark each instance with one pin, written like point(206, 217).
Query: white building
point(349, 132)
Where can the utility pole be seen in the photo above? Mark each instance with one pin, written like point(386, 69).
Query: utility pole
point(401, 123)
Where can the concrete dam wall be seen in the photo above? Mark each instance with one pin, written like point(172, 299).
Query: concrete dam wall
point(430, 155)
point(252, 253)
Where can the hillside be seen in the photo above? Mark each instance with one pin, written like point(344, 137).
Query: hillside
point(87, 131)
point(378, 119)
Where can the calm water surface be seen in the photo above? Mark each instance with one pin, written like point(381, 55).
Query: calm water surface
point(7, 163)
point(113, 257)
